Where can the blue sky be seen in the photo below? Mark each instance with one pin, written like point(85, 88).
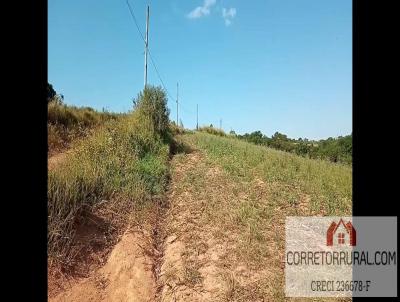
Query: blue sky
point(269, 65)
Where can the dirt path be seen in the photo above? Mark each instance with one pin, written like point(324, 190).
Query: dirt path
point(56, 159)
point(127, 275)
point(189, 271)
point(205, 257)
point(197, 257)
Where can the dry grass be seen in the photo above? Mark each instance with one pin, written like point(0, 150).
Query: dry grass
point(212, 130)
point(65, 124)
point(228, 203)
point(178, 129)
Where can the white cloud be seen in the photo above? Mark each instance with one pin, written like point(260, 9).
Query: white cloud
point(201, 11)
point(209, 3)
point(228, 22)
point(228, 15)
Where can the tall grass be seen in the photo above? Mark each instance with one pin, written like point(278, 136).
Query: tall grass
point(175, 129)
point(125, 160)
point(212, 130)
point(66, 123)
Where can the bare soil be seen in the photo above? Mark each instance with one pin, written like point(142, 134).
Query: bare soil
point(55, 159)
point(126, 276)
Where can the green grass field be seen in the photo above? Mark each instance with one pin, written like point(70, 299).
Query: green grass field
point(240, 194)
point(328, 185)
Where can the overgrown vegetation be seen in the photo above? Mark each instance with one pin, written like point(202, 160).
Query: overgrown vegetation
point(175, 129)
point(212, 130)
point(123, 162)
point(333, 149)
point(67, 123)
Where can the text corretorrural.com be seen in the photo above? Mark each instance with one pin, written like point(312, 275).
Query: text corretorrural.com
point(340, 258)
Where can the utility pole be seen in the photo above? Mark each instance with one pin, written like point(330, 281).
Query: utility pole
point(177, 94)
point(146, 46)
point(197, 116)
point(220, 124)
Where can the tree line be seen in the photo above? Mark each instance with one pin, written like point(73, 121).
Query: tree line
point(334, 149)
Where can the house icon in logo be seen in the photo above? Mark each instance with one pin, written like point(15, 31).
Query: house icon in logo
point(341, 233)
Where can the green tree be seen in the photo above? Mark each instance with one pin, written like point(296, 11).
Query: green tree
point(256, 137)
point(51, 93)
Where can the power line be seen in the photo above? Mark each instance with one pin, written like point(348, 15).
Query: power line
point(153, 63)
point(134, 19)
point(151, 57)
point(146, 46)
point(158, 74)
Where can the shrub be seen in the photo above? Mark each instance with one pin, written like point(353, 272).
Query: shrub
point(152, 103)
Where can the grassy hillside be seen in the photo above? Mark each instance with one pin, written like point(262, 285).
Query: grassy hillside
point(67, 123)
point(124, 162)
point(333, 149)
point(328, 184)
point(229, 205)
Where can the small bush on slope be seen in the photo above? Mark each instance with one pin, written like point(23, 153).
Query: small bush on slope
point(152, 103)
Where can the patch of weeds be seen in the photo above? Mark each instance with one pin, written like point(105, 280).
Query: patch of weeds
point(192, 275)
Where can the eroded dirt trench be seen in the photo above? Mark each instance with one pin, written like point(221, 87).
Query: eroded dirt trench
point(127, 275)
point(192, 267)
point(183, 256)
